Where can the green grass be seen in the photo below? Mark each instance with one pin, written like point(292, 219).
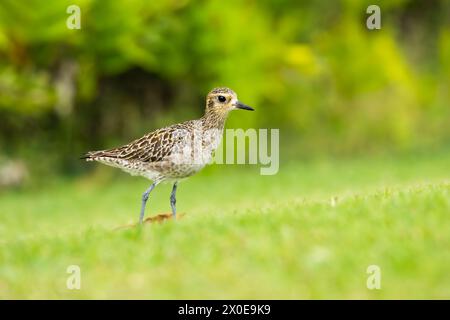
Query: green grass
point(243, 235)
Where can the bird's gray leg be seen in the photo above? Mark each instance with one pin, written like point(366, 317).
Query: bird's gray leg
point(173, 200)
point(144, 201)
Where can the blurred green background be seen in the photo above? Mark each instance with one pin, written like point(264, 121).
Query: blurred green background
point(310, 68)
point(364, 119)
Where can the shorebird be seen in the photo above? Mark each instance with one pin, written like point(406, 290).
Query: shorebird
point(174, 152)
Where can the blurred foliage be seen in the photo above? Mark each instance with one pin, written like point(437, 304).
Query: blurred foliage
point(311, 68)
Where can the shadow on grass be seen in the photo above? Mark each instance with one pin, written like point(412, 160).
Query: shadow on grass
point(159, 218)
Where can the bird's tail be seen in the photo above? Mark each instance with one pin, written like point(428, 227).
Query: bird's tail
point(95, 155)
point(90, 156)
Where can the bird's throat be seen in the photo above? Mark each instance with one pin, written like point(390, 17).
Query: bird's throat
point(214, 120)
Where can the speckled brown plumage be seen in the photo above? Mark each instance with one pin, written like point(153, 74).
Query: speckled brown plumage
point(174, 152)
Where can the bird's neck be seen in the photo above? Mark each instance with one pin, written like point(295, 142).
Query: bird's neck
point(214, 120)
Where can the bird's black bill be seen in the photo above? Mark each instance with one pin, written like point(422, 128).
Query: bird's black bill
point(240, 105)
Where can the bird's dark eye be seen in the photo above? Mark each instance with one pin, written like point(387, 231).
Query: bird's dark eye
point(221, 98)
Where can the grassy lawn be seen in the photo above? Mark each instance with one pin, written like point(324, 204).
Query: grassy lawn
point(243, 235)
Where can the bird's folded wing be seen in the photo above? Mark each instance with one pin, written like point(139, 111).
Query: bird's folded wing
point(155, 146)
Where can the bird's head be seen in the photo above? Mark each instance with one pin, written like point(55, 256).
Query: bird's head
point(223, 100)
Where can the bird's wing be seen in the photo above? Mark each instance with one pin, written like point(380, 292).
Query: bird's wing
point(155, 146)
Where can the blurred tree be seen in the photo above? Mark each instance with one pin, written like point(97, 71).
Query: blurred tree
point(310, 68)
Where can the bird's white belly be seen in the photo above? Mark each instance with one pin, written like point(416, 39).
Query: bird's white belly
point(189, 157)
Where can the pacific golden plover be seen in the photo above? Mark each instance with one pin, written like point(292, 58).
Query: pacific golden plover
point(175, 152)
